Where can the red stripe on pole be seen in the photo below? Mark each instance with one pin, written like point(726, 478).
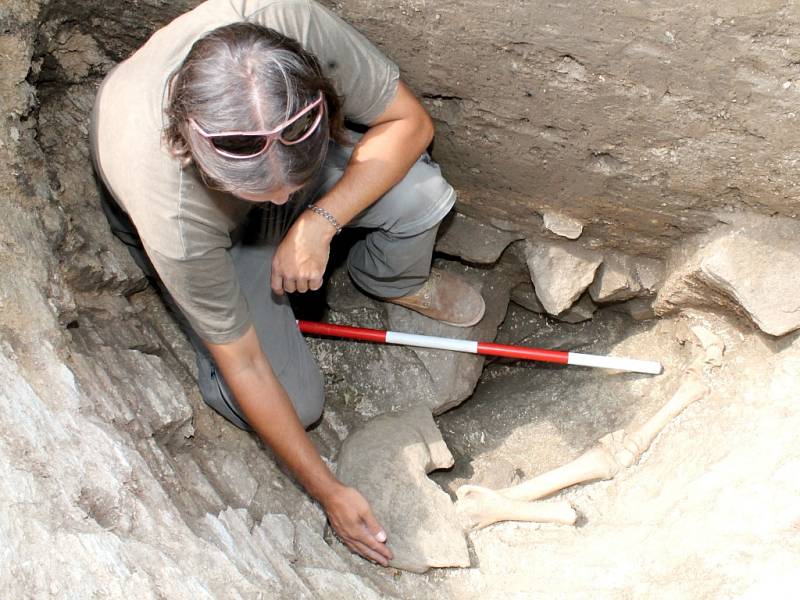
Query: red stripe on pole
point(552, 356)
point(344, 331)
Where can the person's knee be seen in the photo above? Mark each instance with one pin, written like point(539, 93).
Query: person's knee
point(311, 399)
point(421, 199)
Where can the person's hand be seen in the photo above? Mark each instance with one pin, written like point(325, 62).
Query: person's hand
point(352, 520)
point(302, 255)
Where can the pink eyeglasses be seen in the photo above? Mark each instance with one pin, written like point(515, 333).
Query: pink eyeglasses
point(249, 144)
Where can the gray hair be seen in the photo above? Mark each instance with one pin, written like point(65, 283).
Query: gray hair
point(245, 77)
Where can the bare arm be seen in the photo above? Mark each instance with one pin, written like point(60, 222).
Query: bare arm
point(270, 412)
point(382, 157)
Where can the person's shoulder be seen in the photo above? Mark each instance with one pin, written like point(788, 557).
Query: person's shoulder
point(250, 9)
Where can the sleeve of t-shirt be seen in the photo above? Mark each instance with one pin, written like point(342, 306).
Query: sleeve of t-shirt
point(206, 289)
point(365, 78)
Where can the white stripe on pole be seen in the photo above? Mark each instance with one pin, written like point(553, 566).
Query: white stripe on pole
point(614, 362)
point(430, 341)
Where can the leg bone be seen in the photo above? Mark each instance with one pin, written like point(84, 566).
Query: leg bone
point(613, 453)
point(689, 391)
point(481, 506)
point(596, 463)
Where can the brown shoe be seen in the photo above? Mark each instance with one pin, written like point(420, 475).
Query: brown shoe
point(446, 298)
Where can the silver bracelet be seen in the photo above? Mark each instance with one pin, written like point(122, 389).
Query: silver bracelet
point(326, 215)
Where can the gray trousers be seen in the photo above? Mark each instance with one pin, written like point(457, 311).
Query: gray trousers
point(392, 260)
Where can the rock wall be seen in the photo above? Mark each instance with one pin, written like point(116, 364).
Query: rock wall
point(641, 119)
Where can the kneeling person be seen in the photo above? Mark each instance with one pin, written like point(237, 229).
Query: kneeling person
point(227, 170)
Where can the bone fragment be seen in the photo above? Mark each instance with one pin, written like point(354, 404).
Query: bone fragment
point(480, 506)
point(614, 452)
point(690, 390)
point(712, 344)
point(596, 463)
point(618, 450)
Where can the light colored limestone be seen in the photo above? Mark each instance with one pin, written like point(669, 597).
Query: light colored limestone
point(563, 225)
point(749, 267)
point(616, 280)
point(560, 273)
point(582, 310)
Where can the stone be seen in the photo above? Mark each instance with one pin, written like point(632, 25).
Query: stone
point(563, 225)
point(749, 267)
point(524, 295)
point(422, 526)
point(616, 280)
point(582, 310)
point(195, 480)
point(342, 295)
point(639, 309)
point(313, 551)
point(334, 584)
point(281, 533)
point(282, 561)
point(649, 273)
point(622, 277)
point(473, 240)
point(231, 475)
point(560, 273)
point(233, 527)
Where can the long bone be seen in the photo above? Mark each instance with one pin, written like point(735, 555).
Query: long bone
point(480, 506)
point(618, 450)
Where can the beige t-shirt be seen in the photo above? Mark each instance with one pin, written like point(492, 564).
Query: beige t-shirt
point(184, 226)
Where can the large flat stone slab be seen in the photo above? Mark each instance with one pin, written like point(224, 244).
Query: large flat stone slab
point(387, 460)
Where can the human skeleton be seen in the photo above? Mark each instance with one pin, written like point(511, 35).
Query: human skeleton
point(480, 506)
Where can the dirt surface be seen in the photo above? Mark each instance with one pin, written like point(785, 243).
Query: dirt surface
point(525, 418)
point(708, 512)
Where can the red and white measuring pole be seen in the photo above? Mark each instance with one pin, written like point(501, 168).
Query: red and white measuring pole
point(487, 349)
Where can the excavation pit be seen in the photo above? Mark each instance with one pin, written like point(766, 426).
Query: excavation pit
point(121, 481)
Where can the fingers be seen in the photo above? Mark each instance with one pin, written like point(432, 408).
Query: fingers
point(276, 283)
point(353, 521)
point(367, 552)
point(290, 286)
point(372, 543)
point(367, 547)
point(376, 532)
point(303, 284)
point(281, 283)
